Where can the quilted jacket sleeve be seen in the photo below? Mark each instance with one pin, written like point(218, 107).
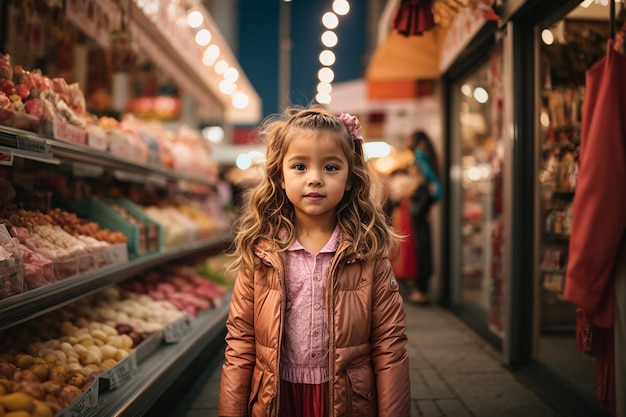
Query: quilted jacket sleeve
point(240, 350)
point(389, 340)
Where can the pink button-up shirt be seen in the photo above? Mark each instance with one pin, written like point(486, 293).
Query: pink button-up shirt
point(304, 355)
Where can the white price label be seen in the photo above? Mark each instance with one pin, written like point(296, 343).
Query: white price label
point(123, 371)
point(6, 158)
point(173, 332)
point(117, 254)
point(85, 405)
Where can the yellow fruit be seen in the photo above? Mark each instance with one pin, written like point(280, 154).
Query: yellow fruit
point(41, 371)
point(41, 410)
point(7, 384)
point(17, 401)
point(18, 413)
point(24, 361)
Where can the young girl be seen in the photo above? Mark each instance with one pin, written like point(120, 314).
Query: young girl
point(316, 325)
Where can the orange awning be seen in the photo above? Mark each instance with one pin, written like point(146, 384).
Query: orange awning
point(407, 57)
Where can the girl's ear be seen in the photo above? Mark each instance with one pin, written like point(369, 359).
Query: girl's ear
point(348, 186)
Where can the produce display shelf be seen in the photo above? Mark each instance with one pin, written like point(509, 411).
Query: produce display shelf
point(163, 367)
point(33, 303)
point(51, 149)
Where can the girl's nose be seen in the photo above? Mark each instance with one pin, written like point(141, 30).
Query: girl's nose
point(315, 181)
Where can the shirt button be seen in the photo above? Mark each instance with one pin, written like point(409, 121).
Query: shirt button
point(313, 355)
point(316, 306)
point(316, 333)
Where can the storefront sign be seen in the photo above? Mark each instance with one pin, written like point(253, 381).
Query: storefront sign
point(464, 27)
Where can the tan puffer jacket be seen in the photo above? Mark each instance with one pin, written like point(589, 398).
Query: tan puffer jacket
point(369, 364)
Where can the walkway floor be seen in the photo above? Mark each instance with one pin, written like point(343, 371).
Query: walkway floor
point(454, 373)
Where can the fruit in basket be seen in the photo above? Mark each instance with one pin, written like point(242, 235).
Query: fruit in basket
point(41, 410)
point(17, 401)
point(41, 371)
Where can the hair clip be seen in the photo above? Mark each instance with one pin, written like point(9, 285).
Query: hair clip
point(353, 125)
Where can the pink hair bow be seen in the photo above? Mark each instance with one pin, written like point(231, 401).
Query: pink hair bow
point(353, 125)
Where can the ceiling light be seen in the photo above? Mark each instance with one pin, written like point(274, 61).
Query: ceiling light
point(195, 19)
point(329, 39)
point(330, 20)
point(341, 7)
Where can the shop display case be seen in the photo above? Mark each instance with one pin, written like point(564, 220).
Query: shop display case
point(162, 361)
point(560, 95)
point(479, 155)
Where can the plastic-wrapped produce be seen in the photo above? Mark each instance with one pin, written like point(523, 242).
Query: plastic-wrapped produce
point(11, 269)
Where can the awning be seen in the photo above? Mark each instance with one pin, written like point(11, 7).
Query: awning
point(407, 57)
point(404, 66)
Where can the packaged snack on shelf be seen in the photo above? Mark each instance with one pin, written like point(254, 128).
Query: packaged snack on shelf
point(11, 265)
point(97, 211)
point(61, 130)
point(38, 269)
point(97, 137)
point(11, 277)
point(65, 268)
point(152, 229)
point(85, 263)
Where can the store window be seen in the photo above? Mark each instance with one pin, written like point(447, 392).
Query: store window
point(567, 49)
point(477, 194)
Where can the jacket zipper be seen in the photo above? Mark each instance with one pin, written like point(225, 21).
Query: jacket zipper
point(280, 338)
point(330, 295)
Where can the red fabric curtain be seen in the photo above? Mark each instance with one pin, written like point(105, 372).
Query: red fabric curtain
point(414, 17)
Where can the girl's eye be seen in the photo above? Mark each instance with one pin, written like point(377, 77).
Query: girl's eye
point(299, 167)
point(331, 168)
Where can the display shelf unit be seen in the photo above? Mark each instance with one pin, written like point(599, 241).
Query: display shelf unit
point(33, 303)
point(33, 146)
point(163, 367)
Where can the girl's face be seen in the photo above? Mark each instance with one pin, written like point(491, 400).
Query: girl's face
point(315, 175)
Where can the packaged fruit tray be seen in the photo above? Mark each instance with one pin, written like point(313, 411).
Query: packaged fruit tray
point(99, 211)
point(86, 404)
point(127, 367)
point(154, 233)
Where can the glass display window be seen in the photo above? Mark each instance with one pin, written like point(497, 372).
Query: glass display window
point(567, 49)
point(477, 167)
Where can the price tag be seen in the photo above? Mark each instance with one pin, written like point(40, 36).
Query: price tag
point(67, 132)
point(85, 405)
point(117, 254)
point(123, 371)
point(6, 158)
point(31, 144)
point(173, 332)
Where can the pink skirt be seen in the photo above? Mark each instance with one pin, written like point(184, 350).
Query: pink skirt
point(303, 400)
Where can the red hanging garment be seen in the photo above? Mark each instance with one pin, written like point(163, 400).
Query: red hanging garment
point(599, 209)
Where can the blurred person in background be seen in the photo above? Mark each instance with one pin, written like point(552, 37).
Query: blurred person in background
point(425, 170)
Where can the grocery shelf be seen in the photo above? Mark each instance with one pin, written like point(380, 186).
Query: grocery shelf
point(33, 303)
point(33, 146)
point(163, 367)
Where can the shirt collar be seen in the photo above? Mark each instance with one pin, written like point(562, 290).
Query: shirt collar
point(330, 247)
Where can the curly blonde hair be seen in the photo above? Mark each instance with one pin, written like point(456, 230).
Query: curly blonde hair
point(268, 215)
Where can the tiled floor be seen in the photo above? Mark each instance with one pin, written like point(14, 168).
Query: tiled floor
point(454, 373)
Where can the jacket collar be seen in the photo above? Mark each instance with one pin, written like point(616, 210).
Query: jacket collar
point(267, 253)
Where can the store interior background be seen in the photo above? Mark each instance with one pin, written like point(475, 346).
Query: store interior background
point(250, 32)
